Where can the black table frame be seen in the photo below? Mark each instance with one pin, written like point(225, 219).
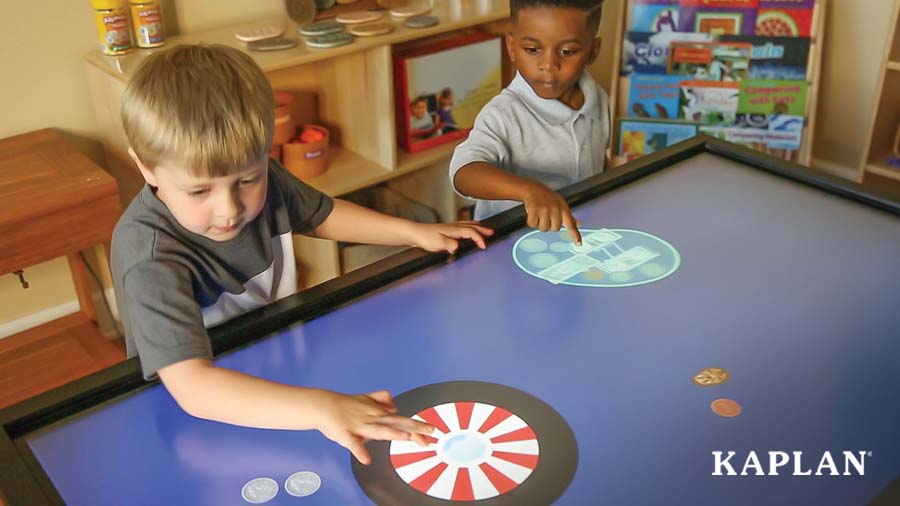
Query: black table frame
point(23, 481)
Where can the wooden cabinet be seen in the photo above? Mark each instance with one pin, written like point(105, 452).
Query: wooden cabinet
point(56, 202)
point(349, 89)
point(884, 132)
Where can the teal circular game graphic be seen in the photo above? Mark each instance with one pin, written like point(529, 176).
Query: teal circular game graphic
point(607, 257)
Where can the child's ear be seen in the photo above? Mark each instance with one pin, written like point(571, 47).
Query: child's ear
point(595, 49)
point(148, 175)
point(510, 51)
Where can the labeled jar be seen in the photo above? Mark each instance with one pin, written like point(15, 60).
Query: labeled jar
point(149, 30)
point(113, 26)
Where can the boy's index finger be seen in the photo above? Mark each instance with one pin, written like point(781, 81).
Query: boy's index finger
point(572, 227)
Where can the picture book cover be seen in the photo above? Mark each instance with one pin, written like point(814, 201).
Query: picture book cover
point(775, 131)
point(648, 53)
point(783, 21)
point(435, 102)
point(639, 137)
point(710, 102)
point(654, 16)
point(716, 61)
point(718, 17)
point(654, 96)
point(773, 97)
point(760, 140)
point(779, 58)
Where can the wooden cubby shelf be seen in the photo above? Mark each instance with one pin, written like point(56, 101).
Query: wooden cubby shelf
point(884, 130)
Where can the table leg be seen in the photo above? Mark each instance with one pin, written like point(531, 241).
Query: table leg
point(82, 285)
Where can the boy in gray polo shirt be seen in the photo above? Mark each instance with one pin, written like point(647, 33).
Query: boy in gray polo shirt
point(209, 237)
point(549, 127)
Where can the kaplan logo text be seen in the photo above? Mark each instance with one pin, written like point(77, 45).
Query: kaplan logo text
point(775, 463)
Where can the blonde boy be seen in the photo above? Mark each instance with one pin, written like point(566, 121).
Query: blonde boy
point(209, 237)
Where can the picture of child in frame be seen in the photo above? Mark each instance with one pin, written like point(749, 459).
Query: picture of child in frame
point(445, 111)
point(423, 123)
point(436, 103)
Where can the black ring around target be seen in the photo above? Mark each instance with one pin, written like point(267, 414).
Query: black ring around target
point(556, 464)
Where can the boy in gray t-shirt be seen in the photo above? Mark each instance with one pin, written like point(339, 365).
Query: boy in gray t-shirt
point(209, 237)
point(549, 127)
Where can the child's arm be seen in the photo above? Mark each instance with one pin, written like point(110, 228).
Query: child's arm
point(351, 223)
point(476, 170)
point(213, 393)
point(546, 209)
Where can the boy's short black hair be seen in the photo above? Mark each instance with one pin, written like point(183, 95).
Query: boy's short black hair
point(595, 7)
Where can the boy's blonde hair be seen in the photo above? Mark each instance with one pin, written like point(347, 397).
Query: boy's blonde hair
point(208, 109)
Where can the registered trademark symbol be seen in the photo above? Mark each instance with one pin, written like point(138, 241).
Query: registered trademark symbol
point(868, 454)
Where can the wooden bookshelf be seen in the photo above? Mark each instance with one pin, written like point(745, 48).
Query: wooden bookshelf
point(349, 89)
point(883, 130)
point(622, 85)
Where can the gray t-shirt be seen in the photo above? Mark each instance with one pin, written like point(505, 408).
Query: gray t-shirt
point(540, 139)
point(171, 284)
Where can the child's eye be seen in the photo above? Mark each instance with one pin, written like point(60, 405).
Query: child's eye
point(531, 50)
point(198, 193)
point(248, 182)
point(568, 52)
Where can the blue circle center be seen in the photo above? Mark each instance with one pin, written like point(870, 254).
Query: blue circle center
point(464, 448)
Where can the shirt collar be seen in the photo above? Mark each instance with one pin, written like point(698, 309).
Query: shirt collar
point(553, 111)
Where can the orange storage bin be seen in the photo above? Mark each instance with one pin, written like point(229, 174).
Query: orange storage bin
point(307, 159)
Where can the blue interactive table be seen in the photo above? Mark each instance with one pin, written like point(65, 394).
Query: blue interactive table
point(703, 255)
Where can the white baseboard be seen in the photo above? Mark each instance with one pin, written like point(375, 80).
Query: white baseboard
point(52, 313)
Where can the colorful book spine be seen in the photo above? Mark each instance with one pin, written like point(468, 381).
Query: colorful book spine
point(710, 102)
point(639, 137)
point(654, 96)
point(654, 16)
point(718, 61)
point(785, 18)
point(648, 53)
point(773, 97)
point(778, 58)
point(718, 17)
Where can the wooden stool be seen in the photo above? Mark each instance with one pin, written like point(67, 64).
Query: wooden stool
point(56, 202)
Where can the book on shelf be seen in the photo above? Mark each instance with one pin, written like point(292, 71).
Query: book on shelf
point(648, 53)
point(654, 96)
point(710, 102)
point(654, 16)
point(780, 58)
point(778, 135)
point(773, 97)
point(714, 61)
point(639, 137)
point(785, 18)
point(718, 16)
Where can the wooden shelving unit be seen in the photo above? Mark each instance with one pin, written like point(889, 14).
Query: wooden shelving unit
point(622, 85)
point(349, 89)
point(885, 126)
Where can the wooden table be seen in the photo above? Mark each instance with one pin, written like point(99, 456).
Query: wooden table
point(56, 202)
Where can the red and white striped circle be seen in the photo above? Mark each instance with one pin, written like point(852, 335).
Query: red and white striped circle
point(477, 451)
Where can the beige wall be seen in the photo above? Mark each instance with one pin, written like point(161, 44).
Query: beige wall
point(44, 85)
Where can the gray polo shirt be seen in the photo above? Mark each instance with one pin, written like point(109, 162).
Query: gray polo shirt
point(537, 138)
point(171, 284)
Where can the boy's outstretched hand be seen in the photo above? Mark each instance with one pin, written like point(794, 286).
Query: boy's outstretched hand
point(548, 211)
point(446, 236)
point(351, 420)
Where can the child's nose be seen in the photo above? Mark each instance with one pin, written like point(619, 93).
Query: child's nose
point(229, 206)
point(549, 61)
